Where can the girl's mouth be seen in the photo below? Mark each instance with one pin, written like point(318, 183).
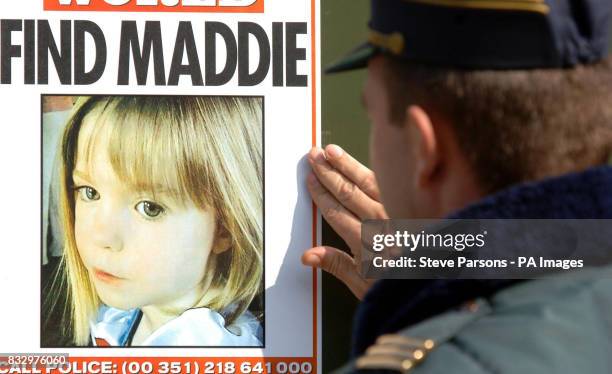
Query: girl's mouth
point(106, 277)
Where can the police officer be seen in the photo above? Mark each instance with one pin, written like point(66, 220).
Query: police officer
point(478, 109)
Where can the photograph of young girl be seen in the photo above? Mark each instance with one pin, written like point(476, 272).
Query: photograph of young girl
point(158, 203)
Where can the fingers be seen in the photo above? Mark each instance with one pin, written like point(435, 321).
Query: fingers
point(340, 265)
point(352, 169)
point(344, 223)
point(345, 190)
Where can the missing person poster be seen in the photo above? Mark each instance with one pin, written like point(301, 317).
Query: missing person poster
point(158, 208)
point(305, 186)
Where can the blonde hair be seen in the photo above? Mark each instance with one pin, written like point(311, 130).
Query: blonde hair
point(208, 150)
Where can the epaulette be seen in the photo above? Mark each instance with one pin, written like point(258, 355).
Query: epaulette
point(405, 350)
point(395, 352)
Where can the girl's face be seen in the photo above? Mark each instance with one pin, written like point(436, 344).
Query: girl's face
point(138, 251)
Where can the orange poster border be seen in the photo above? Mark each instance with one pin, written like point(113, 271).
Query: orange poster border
point(315, 280)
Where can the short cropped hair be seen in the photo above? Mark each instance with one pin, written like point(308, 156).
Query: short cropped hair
point(517, 125)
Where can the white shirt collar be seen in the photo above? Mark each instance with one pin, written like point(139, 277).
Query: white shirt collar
point(195, 327)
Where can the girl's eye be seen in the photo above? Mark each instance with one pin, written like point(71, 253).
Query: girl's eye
point(149, 209)
point(87, 193)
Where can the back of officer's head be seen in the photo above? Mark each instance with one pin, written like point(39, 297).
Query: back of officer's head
point(513, 125)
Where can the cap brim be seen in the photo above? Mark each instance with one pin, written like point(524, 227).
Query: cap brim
point(356, 59)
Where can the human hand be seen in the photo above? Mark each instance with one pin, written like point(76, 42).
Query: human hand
point(346, 193)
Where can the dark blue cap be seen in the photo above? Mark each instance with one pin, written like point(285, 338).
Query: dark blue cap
point(486, 34)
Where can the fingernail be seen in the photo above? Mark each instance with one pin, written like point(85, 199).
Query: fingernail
point(314, 154)
point(319, 157)
point(311, 260)
point(333, 151)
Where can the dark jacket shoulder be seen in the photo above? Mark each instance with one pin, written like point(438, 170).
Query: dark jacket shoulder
point(552, 325)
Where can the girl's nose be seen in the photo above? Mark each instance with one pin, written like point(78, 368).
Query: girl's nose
point(107, 227)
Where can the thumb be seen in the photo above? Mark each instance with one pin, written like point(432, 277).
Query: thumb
point(339, 264)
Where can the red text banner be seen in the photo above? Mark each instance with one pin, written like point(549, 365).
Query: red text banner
point(192, 6)
point(165, 365)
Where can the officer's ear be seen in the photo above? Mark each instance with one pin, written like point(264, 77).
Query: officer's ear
point(423, 137)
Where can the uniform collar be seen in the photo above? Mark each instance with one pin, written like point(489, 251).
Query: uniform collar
point(395, 304)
